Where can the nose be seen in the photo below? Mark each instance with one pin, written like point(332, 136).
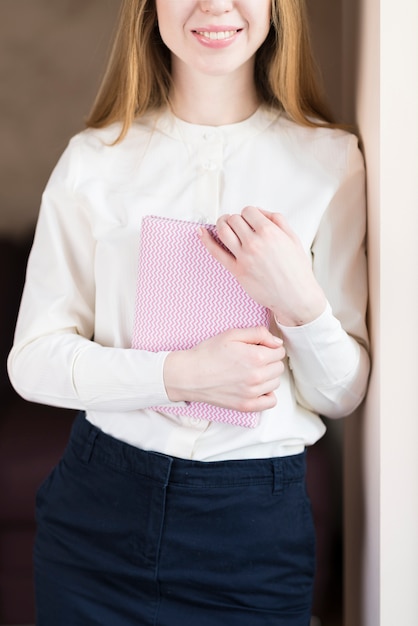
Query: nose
point(217, 7)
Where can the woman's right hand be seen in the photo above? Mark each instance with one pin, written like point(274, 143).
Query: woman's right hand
point(239, 369)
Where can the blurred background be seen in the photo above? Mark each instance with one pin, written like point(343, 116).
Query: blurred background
point(52, 54)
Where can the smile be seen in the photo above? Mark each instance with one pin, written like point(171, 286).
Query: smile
point(216, 36)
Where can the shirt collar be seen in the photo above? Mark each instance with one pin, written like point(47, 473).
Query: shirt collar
point(167, 123)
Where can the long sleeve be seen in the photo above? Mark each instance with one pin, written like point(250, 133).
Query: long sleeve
point(56, 359)
point(329, 357)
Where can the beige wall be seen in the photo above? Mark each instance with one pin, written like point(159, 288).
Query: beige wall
point(51, 58)
point(399, 313)
point(382, 462)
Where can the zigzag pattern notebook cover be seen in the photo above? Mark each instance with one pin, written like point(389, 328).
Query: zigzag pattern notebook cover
point(185, 296)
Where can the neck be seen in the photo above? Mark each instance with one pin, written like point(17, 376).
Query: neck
point(213, 100)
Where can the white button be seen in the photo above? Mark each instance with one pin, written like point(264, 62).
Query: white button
point(195, 421)
point(209, 165)
point(210, 135)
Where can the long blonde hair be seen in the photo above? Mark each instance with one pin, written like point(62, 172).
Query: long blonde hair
point(138, 76)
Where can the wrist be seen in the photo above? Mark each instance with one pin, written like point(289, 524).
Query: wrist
point(175, 375)
point(305, 314)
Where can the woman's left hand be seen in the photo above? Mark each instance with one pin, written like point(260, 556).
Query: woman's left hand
point(268, 260)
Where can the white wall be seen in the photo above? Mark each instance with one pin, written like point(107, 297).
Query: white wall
point(381, 445)
point(399, 313)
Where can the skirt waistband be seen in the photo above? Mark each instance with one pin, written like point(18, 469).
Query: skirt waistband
point(91, 444)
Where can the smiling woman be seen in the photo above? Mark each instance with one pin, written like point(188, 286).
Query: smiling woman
point(208, 112)
point(193, 30)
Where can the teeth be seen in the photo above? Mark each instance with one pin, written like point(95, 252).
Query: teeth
point(220, 35)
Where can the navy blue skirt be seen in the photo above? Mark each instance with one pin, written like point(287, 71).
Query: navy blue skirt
point(127, 538)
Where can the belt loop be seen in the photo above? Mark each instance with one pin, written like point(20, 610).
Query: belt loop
point(277, 477)
point(89, 444)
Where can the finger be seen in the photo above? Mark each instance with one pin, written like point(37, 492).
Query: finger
point(255, 217)
point(264, 402)
point(228, 234)
point(265, 379)
point(242, 229)
point(214, 248)
point(256, 335)
point(279, 220)
point(283, 224)
point(269, 387)
point(273, 216)
point(272, 358)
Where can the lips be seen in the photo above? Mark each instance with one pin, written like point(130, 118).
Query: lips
point(217, 36)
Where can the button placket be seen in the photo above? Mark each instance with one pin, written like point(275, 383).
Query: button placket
point(208, 189)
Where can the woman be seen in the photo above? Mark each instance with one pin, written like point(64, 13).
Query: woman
point(208, 112)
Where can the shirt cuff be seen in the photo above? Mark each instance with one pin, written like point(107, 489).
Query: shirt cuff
point(320, 352)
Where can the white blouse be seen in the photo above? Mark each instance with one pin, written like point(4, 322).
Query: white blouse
point(73, 336)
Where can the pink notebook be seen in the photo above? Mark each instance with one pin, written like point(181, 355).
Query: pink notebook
point(185, 296)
